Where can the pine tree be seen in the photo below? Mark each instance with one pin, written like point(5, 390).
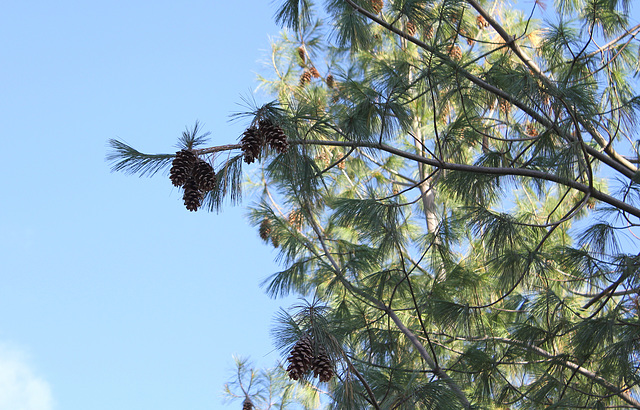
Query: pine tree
point(466, 212)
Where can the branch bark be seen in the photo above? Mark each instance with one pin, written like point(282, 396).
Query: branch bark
point(503, 171)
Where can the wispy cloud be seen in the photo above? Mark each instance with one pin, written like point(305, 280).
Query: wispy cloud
point(20, 388)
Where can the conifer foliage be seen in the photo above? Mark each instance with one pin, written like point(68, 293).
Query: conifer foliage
point(459, 197)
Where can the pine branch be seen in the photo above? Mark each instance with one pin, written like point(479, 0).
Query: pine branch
point(431, 362)
point(622, 393)
point(511, 42)
point(616, 161)
point(501, 171)
point(130, 161)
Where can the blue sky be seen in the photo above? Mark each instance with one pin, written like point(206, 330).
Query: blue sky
point(112, 295)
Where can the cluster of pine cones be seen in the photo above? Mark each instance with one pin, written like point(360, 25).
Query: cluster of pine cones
point(302, 360)
point(254, 139)
point(195, 175)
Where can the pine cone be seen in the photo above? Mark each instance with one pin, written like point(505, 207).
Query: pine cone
point(377, 5)
point(428, 33)
point(274, 136)
point(305, 78)
point(455, 52)
point(330, 81)
point(251, 144)
point(204, 175)
point(505, 106)
point(181, 167)
point(265, 229)
point(300, 358)
point(192, 195)
point(410, 28)
point(322, 366)
point(314, 72)
point(303, 55)
point(247, 404)
point(296, 219)
point(481, 22)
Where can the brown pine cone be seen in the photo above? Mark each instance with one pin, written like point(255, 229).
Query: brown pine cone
point(192, 195)
point(314, 72)
point(265, 229)
point(300, 358)
point(481, 22)
point(330, 81)
point(377, 5)
point(302, 53)
point(322, 366)
point(204, 175)
point(455, 52)
point(247, 404)
point(428, 33)
point(410, 28)
point(181, 167)
point(251, 144)
point(296, 219)
point(305, 78)
point(274, 136)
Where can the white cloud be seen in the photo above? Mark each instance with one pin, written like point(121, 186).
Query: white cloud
point(20, 388)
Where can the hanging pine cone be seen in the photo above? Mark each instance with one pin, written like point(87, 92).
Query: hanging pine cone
point(377, 5)
point(481, 22)
point(314, 72)
point(247, 404)
point(322, 366)
point(274, 136)
point(192, 195)
point(305, 78)
point(505, 106)
point(251, 144)
point(296, 219)
point(265, 229)
point(330, 81)
point(302, 53)
point(300, 358)
point(181, 167)
point(204, 175)
point(410, 28)
point(428, 33)
point(455, 52)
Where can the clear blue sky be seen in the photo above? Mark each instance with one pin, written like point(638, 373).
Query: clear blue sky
point(112, 295)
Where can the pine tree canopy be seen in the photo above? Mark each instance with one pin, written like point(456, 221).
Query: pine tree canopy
point(453, 188)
